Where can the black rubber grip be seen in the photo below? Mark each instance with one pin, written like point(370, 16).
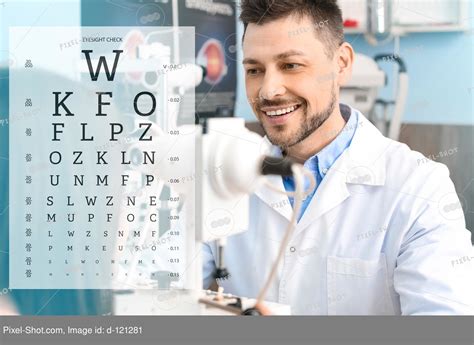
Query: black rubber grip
point(277, 166)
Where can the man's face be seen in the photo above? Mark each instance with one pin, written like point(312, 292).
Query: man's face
point(289, 78)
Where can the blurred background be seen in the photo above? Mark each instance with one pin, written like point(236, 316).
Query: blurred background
point(414, 79)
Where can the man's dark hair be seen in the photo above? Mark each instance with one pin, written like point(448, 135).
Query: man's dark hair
point(326, 16)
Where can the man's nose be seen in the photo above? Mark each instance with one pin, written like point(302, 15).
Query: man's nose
point(272, 86)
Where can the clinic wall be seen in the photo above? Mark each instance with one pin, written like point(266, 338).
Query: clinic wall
point(441, 89)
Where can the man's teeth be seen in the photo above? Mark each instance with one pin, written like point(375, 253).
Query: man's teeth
point(281, 111)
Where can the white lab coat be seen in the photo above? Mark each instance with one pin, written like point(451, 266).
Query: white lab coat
point(384, 234)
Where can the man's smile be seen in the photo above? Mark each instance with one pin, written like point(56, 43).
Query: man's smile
point(278, 115)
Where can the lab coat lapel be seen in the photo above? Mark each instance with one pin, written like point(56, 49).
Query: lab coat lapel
point(332, 192)
point(278, 202)
point(362, 163)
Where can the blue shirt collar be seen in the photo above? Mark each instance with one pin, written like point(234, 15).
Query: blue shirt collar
point(325, 158)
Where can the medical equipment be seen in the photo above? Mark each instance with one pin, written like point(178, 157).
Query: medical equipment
point(218, 199)
point(390, 125)
point(361, 92)
point(213, 167)
point(379, 21)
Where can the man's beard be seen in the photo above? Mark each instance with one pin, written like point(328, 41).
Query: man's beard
point(307, 127)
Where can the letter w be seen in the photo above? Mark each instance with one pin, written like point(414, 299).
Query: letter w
point(102, 61)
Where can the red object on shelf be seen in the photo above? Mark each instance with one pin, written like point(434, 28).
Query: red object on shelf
point(351, 23)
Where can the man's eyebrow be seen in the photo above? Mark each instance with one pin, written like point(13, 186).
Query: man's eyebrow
point(287, 54)
point(250, 61)
point(280, 56)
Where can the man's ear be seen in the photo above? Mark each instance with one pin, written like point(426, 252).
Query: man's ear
point(345, 59)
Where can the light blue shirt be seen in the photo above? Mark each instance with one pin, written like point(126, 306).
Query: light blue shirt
point(321, 162)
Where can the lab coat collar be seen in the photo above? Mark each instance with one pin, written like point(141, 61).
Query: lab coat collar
point(362, 163)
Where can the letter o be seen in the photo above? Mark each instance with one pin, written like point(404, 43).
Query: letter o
point(51, 157)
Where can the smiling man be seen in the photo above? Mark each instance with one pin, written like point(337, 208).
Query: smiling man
point(381, 233)
point(294, 63)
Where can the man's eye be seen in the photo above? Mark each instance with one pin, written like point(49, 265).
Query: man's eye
point(291, 66)
point(252, 71)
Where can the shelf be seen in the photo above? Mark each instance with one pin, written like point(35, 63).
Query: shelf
point(401, 30)
point(414, 16)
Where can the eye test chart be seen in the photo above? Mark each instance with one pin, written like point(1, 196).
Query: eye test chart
point(86, 209)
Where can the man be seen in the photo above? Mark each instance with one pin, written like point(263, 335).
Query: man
point(381, 234)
